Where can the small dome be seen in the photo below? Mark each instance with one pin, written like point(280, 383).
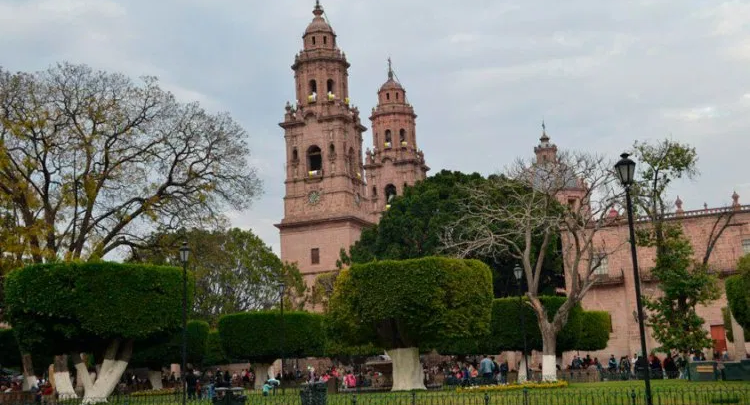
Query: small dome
point(317, 25)
point(391, 84)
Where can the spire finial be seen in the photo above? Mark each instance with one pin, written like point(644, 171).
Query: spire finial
point(390, 69)
point(318, 10)
point(545, 138)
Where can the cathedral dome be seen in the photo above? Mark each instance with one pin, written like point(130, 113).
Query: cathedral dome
point(318, 24)
point(391, 84)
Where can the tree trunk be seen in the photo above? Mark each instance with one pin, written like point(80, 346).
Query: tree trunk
point(263, 371)
point(63, 384)
point(83, 377)
point(115, 362)
point(739, 339)
point(522, 377)
point(549, 348)
point(154, 377)
point(407, 370)
point(29, 378)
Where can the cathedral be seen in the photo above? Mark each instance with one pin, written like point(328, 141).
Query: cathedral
point(331, 193)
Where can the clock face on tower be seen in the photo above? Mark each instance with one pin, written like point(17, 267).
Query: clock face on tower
point(314, 197)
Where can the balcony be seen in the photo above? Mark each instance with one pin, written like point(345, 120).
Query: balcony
point(609, 279)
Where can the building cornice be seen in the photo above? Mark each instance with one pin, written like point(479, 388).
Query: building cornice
point(303, 223)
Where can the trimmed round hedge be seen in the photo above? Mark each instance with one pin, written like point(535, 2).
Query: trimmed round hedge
point(737, 288)
point(162, 351)
point(596, 326)
point(256, 336)
point(80, 305)
point(420, 303)
point(214, 353)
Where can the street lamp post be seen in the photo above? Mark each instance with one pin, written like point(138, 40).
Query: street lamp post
point(184, 255)
point(517, 272)
point(282, 287)
point(625, 170)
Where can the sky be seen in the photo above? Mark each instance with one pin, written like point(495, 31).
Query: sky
point(481, 74)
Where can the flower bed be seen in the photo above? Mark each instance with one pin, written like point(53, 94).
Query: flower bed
point(513, 387)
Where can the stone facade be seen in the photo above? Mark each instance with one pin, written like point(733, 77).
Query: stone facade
point(331, 195)
point(614, 290)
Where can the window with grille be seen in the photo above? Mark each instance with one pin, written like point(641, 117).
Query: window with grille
point(603, 268)
point(315, 256)
point(746, 246)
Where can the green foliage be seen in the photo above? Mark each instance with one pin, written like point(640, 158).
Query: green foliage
point(214, 353)
point(595, 331)
point(236, 271)
point(413, 226)
point(737, 287)
point(726, 316)
point(412, 303)
point(256, 336)
point(685, 284)
point(507, 334)
point(158, 352)
point(80, 306)
point(10, 355)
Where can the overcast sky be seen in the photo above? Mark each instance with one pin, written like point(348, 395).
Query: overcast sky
point(481, 74)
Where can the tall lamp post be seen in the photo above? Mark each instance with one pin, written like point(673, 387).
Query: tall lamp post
point(517, 272)
point(282, 287)
point(625, 170)
point(184, 255)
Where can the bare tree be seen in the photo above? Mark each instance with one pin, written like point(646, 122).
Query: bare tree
point(572, 196)
point(90, 161)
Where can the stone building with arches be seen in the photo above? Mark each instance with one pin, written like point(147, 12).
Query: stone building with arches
point(331, 192)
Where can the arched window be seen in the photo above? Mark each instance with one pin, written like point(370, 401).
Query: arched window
point(314, 159)
point(402, 135)
point(387, 96)
point(329, 86)
point(313, 40)
point(387, 135)
point(313, 87)
point(295, 155)
point(331, 150)
point(390, 193)
point(325, 39)
point(396, 95)
point(374, 191)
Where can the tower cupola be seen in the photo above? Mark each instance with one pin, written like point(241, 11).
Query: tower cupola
point(319, 34)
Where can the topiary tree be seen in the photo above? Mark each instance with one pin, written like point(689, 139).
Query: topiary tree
point(595, 331)
point(737, 287)
point(214, 353)
point(507, 335)
point(256, 337)
point(410, 306)
point(160, 351)
point(88, 307)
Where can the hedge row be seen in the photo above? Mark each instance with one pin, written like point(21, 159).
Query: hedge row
point(160, 351)
point(257, 336)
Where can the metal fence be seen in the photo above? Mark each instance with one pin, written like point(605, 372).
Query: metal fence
point(730, 394)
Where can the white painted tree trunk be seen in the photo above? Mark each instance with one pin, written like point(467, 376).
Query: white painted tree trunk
point(407, 370)
point(263, 371)
point(154, 377)
point(522, 377)
point(549, 362)
point(29, 379)
point(739, 339)
point(114, 364)
point(63, 383)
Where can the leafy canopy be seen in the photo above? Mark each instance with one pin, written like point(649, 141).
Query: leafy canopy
point(256, 336)
point(81, 306)
point(412, 303)
point(235, 270)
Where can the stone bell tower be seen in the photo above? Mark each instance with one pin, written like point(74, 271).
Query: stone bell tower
point(324, 206)
point(395, 160)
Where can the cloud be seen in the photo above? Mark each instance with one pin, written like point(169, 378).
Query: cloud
point(481, 75)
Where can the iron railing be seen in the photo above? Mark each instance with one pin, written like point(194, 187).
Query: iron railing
point(684, 395)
